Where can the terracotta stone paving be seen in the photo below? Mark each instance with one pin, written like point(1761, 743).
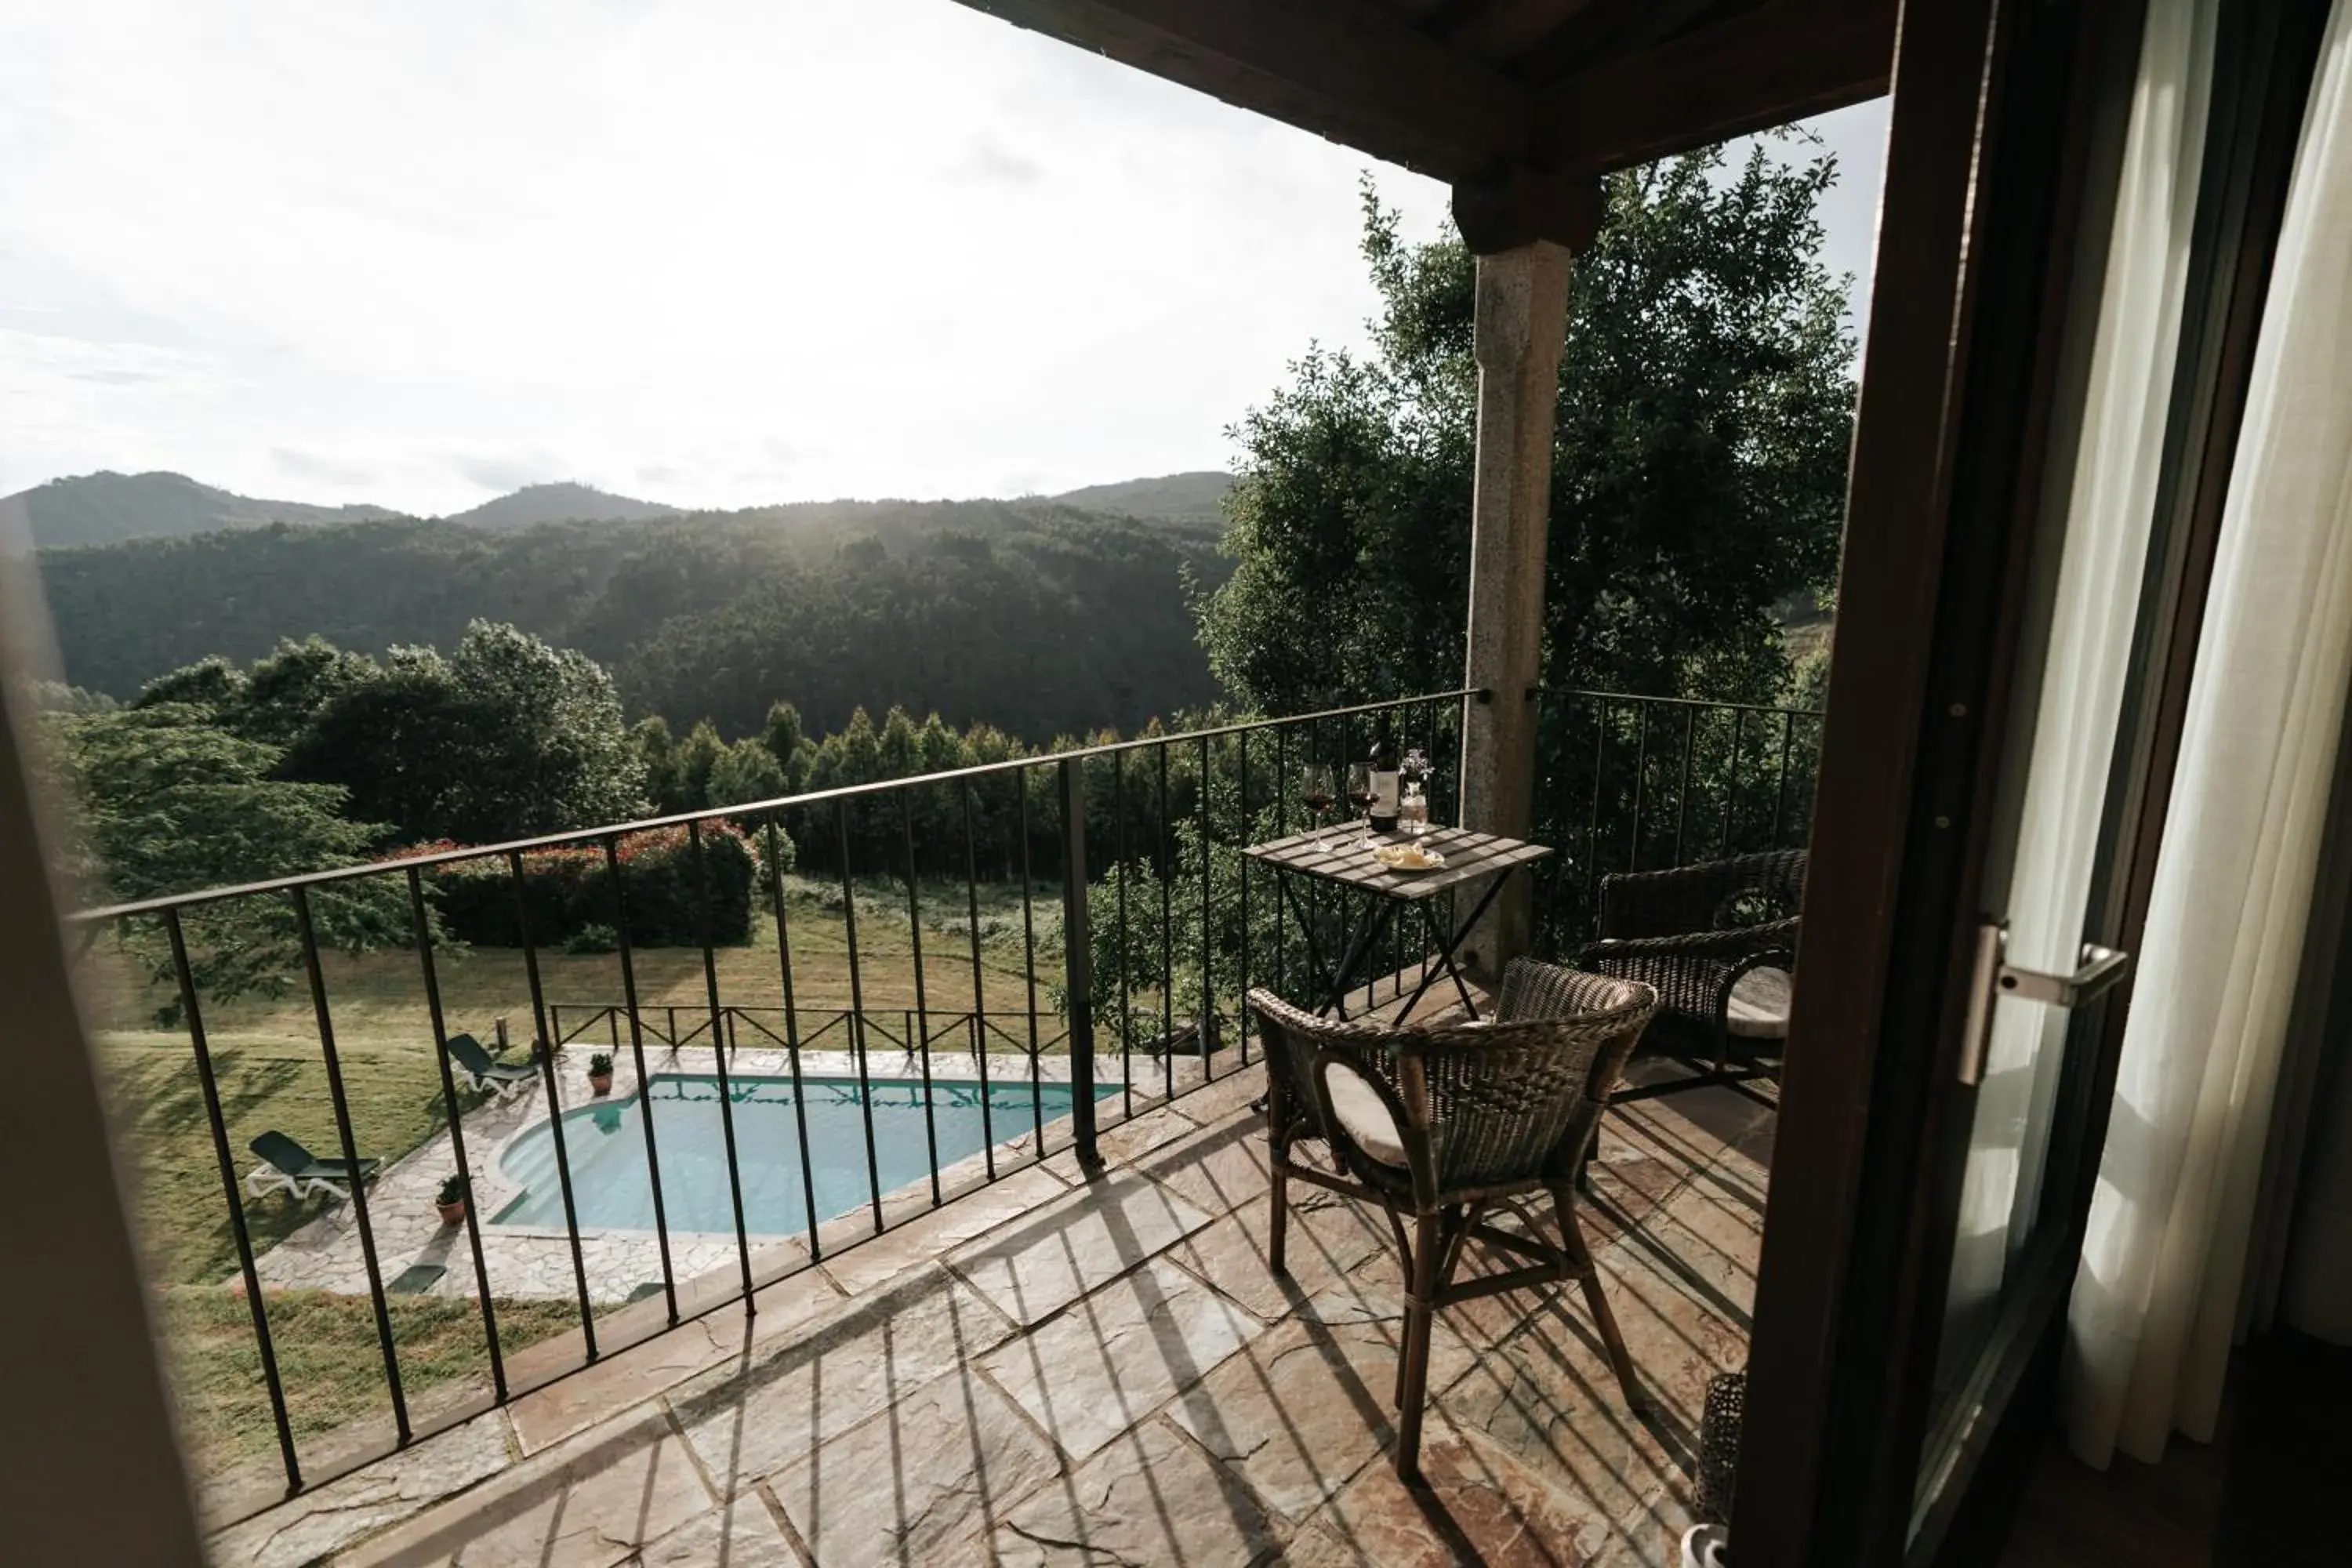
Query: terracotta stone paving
point(1063, 1371)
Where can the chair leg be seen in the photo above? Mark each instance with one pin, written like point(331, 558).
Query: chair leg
point(1428, 1242)
point(1596, 1300)
point(1278, 1192)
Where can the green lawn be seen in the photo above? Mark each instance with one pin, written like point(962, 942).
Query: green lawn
point(328, 1359)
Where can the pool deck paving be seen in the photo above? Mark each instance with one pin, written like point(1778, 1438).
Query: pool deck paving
point(1061, 1368)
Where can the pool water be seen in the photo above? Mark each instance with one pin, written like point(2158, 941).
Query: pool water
point(605, 1143)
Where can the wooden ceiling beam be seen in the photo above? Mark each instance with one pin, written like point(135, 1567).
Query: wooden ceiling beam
point(1608, 28)
point(1347, 69)
point(1779, 62)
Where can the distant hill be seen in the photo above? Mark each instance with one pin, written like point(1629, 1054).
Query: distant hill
point(1175, 498)
point(1034, 615)
point(109, 508)
point(562, 501)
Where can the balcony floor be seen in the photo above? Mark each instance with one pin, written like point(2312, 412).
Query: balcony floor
point(1053, 1371)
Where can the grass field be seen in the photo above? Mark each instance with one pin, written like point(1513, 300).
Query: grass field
point(271, 1074)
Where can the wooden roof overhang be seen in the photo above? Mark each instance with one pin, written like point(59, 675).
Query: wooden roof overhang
point(1517, 104)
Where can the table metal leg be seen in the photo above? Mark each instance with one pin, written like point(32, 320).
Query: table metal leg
point(1369, 927)
point(1446, 953)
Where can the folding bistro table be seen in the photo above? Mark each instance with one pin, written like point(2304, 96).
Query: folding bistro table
point(1349, 865)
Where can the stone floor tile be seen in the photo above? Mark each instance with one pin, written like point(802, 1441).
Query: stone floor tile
point(787, 1308)
point(1328, 1237)
point(1712, 1207)
point(771, 1408)
point(590, 1505)
point(595, 1393)
point(737, 1534)
point(912, 1483)
point(327, 1519)
point(1119, 1354)
point(1220, 1169)
point(1719, 1272)
point(1299, 1412)
point(1650, 1535)
point(1478, 1505)
point(1149, 1498)
point(941, 1231)
point(1482, 1320)
point(1132, 1140)
point(1236, 1087)
point(1041, 1263)
point(1678, 1337)
point(1550, 1399)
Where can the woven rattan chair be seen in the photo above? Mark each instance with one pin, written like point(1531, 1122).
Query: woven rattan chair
point(1441, 1126)
point(1718, 942)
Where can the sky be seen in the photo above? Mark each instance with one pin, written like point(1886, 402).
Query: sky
point(717, 253)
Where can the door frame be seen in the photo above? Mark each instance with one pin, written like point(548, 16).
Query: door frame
point(1859, 1225)
point(1990, 137)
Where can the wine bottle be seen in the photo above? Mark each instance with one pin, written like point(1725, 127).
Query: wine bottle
point(1383, 766)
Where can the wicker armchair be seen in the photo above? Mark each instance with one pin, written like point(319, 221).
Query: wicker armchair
point(1718, 942)
point(1441, 1126)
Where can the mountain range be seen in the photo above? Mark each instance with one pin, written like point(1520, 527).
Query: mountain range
point(109, 508)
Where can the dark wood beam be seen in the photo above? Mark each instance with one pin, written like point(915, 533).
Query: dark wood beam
point(1781, 62)
point(1347, 69)
point(1609, 29)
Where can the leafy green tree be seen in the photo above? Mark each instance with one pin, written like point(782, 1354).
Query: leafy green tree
point(283, 695)
point(212, 684)
point(697, 758)
point(506, 738)
point(658, 754)
point(745, 772)
point(1705, 410)
point(165, 801)
point(788, 742)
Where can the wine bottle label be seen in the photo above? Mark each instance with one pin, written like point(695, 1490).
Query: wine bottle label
point(1384, 797)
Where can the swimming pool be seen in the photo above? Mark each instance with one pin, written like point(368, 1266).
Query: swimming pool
point(605, 1143)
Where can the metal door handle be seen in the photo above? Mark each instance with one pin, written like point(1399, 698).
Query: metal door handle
point(2102, 969)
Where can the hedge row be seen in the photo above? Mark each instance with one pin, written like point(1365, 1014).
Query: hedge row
point(568, 891)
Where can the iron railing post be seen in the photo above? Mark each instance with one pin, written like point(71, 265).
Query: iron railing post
point(1077, 962)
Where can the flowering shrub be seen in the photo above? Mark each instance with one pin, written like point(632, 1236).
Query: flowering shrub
point(568, 890)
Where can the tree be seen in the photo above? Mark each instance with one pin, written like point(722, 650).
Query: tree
point(283, 695)
point(745, 772)
point(506, 738)
point(1705, 409)
point(694, 762)
point(167, 802)
point(658, 754)
point(211, 684)
point(788, 743)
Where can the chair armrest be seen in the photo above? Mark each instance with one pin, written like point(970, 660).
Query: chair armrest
point(1692, 972)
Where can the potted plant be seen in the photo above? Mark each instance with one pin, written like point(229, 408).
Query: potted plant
point(452, 1201)
point(600, 1072)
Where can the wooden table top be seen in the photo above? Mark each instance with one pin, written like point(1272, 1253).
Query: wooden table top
point(1468, 857)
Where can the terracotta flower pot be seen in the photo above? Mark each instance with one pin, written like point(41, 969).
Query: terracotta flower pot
point(600, 1082)
point(451, 1214)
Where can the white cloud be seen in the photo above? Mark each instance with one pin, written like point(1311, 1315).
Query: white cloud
point(763, 251)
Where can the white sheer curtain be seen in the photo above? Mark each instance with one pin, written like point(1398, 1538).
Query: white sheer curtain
point(2157, 1296)
point(2108, 503)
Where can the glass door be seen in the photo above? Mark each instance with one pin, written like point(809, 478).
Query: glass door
point(2038, 976)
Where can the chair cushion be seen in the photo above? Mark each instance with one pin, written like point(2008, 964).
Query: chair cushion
point(1758, 1007)
point(1362, 1115)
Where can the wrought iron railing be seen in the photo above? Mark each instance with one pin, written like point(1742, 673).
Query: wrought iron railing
point(1129, 854)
